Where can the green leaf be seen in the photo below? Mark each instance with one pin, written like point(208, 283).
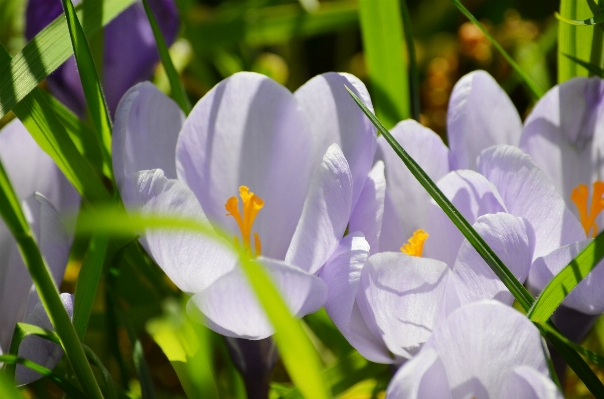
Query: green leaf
point(575, 41)
point(385, 55)
point(178, 92)
point(110, 391)
point(596, 19)
point(93, 92)
point(49, 49)
point(297, 352)
point(8, 389)
point(413, 70)
point(535, 90)
point(590, 355)
point(595, 70)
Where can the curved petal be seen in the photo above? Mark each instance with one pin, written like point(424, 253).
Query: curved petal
point(410, 199)
point(480, 115)
point(402, 295)
point(392, 236)
point(527, 383)
point(341, 274)
point(473, 195)
point(479, 344)
point(335, 118)
point(325, 215)
point(508, 236)
point(564, 134)
point(39, 350)
point(192, 261)
point(249, 130)
point(146, 128)
point(528, 193)
point(232, 309)
point(587, 297)
point(368, 212)
point(31, 170)
point(423, 377)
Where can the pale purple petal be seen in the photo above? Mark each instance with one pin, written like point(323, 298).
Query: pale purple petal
point(341, 274)
point(473, 195)
point(481, 343)
point(191, 260)
point(410, 199)
point(423, 377)
point(392, 236)
point(334, 117)
point(588, 296)
point(480, 115)
point(402, 294)
point(249, 130)
point(146, 128)
point(37, 349)
point(528, 193)
point(564, 134)
point(527, 383)
point(325, 215)
point(232, 309)
point(368, 212)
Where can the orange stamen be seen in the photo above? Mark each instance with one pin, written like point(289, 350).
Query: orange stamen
point(580, 196)
point(415, 245)
point(251, 206)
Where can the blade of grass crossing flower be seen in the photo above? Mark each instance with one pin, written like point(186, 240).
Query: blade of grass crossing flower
point(413, 71)
point(385, 54)
point(564, 282)
point(177, 90)
point(48, 50)
point(22, 330)
point(12, 214)
point(93, 92)
point(8, 389)
point(589, 355)
point(572, 40)
point(297, 351)
point(533, 87)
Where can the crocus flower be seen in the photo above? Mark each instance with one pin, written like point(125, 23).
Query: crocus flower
point(483, 350)
point(129, 50)
point(30, 171)
point(249, 140)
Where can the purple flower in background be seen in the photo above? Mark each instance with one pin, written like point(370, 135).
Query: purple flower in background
point(483, 350)
point(32, 171)
point(129, 50)
point(280, 154)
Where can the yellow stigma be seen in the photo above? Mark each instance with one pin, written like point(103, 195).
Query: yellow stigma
point(415, 245)
point(251, 206)
point(580, 196)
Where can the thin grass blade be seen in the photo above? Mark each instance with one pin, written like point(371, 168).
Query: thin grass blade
point(595, 70)
point(413, 70)
point(575, 41)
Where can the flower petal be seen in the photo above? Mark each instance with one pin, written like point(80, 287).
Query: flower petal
point(335, 118)
point(480, 115)
point(528, 193)
point(232, 309)
point(409, 197)
point(367, 214)
point(341, 274)
point(473, 195)
point(325, 215)
point(192, 261)
point(401, 295)
point(423, 377)
point(146, 128)
point(479, 344)
point(249, 130)
point(527, 383)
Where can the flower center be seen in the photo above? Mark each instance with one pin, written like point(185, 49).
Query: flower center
point(415, 244)
point(251, 206)
point(580, 196)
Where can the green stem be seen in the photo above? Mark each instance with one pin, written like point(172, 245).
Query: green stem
point(413, 70)
point(598, 38)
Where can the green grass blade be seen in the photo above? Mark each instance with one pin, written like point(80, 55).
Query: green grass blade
point(385, 56)
point(15, 220)
point(48, 50)
point(8, 389)
point(110, 391)
point(596, 19)
point(413, 70)
point(593, 69)
point(93, 92)
point(178, 91)
point(533, 87)
point(575, 41)
point(298, 354)
point(589, 355)
point(22, 330)
point(564, 282)
point(88, 281)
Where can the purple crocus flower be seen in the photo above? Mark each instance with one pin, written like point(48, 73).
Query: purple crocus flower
point(251, 138)
point(483, 350)
point(32, 171)
point(129, 50)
